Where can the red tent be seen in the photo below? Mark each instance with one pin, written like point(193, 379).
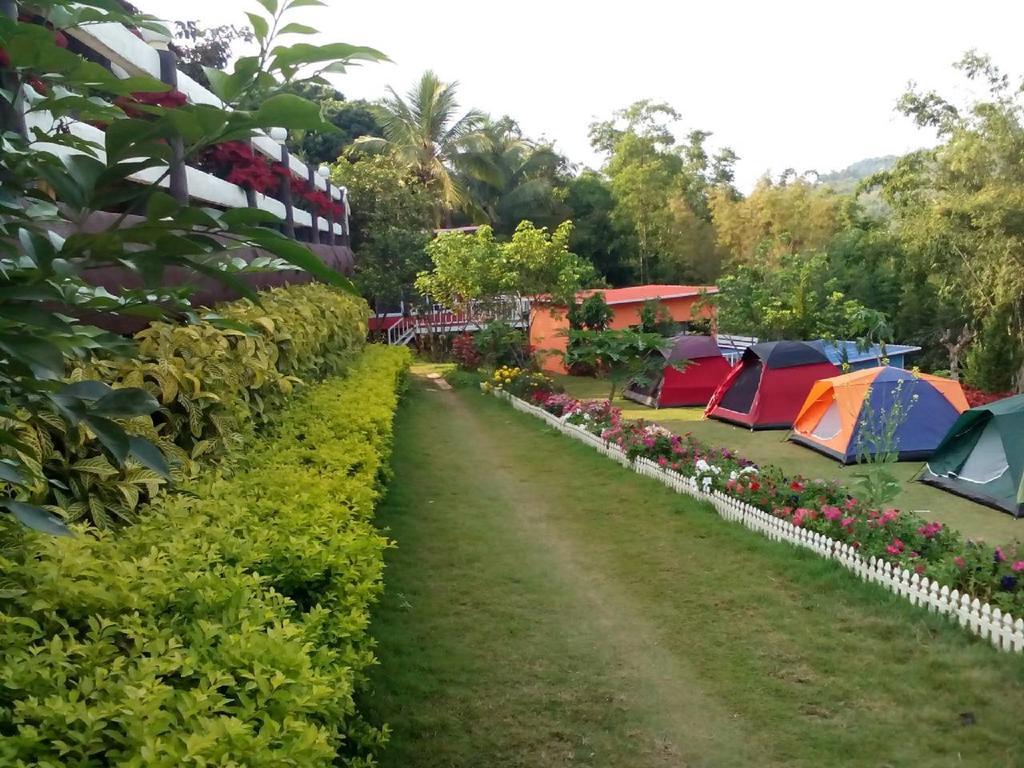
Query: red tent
point(704, 370)
point(769, 384)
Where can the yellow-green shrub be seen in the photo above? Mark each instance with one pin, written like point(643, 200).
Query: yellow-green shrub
point(228, 627)
point(215, 383)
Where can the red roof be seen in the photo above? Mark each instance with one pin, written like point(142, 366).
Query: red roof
point(640, 293)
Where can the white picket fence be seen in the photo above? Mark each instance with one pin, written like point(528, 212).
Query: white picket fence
point(1001, 629)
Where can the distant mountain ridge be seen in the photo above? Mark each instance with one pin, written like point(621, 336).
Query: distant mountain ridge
point(848, 178)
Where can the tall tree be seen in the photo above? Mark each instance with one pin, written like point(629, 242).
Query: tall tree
point(198, 47)
point(661, 190)
point(425, 132)
point(512, 178)
point(778, 218)
point(643, 167)
point(392, 214)
point(959, 211)
point(600, 238)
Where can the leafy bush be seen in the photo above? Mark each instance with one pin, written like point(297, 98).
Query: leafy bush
point(622, 356)
point(229, 626)
point(592, 314)
point(52, 181)
point(464, 352)
point(500, 344)
point(521, 382)
point(214, 380)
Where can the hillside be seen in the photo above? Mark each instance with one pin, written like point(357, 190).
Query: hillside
point(848, 178)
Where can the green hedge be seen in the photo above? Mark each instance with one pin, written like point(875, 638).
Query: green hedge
point(215, 382)
point(228, 626)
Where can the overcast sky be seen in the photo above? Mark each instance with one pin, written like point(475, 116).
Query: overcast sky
point(808, 85)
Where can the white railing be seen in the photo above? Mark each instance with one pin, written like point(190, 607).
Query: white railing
point(129, 55)
point(982, 619)
point(734, 346)
point(402, 332)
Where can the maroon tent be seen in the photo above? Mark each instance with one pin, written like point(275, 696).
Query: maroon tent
point(769, 384)
point(702, 369)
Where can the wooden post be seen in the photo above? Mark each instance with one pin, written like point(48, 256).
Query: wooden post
point(178, 177)
point(12, 117)
point(314, 232)
point(286, 194)
point(330, 216)
point(250, 193)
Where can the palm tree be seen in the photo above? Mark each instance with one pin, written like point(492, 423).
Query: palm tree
point(512, 178)
point(424, 132)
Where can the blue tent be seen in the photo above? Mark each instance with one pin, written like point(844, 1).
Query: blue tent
point(859, 359)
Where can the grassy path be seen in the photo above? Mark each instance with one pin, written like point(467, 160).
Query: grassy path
point(546, 607)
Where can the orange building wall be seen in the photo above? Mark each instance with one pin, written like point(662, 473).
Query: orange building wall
point(548, 326)
point(681, 310)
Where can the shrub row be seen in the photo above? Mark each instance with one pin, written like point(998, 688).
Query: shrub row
point(229, 625)
point(215, 381)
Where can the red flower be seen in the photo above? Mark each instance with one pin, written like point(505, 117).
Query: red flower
point(797, 486)
point(168, 99)
point(755, 486)
point(5, 58)
point(38, 85)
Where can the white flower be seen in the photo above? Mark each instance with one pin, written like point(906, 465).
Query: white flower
point(702, 466)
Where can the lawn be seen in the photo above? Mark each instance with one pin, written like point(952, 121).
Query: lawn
point(545, 607)
point(972, 520)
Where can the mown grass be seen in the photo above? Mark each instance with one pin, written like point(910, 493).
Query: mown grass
point(546, 607)
point(974, 521)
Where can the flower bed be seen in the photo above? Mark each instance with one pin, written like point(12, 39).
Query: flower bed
point(976, 397)
point(900, 538)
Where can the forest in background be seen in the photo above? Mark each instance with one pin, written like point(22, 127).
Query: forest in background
point(922, 249)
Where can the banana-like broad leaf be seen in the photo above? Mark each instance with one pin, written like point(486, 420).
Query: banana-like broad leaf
point(149, 456)
point(128, 401)
point(110, 435)
point(36, 518)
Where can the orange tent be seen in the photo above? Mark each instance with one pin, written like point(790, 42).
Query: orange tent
point(843, 415)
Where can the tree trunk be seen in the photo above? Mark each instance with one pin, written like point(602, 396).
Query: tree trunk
point(956, 348)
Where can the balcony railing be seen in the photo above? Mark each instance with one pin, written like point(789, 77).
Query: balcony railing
point(127, 53)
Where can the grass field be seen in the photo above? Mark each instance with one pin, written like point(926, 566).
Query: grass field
point(972, 520)
point(545, 607)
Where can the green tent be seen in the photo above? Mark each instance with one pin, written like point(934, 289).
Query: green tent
point(982, 457)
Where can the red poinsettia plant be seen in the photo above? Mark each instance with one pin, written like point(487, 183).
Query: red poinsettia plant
point(235, 161)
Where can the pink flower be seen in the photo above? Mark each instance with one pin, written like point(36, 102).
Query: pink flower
point(895, 548)
point(831, 513)
point(1017, 566)
point(959, 562)
point(847, 522)
point(998, 555)
point(930, 530)
point(663, 461)
point(851, 503)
